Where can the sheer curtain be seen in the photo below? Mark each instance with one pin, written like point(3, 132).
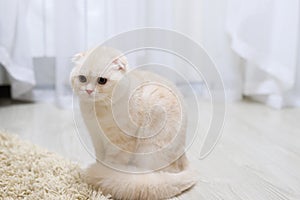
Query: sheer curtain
point(255, 44)
point(266, 35)
point(15, 56)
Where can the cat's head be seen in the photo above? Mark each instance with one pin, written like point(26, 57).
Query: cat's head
point(96, 73)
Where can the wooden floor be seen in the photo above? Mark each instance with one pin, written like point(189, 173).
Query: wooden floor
point(257, 158)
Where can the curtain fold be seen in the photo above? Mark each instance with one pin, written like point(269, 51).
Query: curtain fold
point(265, 34)
point(15, 53)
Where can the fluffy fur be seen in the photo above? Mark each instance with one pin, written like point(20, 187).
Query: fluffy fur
point(137, 123)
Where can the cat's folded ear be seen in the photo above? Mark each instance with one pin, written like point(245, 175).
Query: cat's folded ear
point(78, 57)
point(120, 63)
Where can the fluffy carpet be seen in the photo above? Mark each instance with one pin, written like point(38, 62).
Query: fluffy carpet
point(30, 172)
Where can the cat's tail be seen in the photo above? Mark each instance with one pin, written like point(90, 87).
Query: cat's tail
point(149, 186)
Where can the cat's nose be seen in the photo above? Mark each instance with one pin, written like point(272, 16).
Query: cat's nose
point(89, 91)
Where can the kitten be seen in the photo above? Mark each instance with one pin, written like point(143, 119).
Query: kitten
point(137, 123)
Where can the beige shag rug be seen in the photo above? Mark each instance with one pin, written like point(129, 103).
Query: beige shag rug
point(30, 172)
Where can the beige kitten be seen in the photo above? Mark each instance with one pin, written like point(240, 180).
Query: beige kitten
point(137, 122)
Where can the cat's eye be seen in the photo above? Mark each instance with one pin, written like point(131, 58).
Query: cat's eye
point(102, 80)
point(82, 78)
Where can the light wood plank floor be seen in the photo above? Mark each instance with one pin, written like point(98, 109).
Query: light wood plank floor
point(258, 156)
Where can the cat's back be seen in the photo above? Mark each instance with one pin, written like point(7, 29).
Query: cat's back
point(155, 89)
point(155, 99)
point(151, 81)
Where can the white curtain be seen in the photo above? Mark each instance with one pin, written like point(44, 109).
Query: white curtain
point(15, 53)
point(255, 44)
point(265, 33)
